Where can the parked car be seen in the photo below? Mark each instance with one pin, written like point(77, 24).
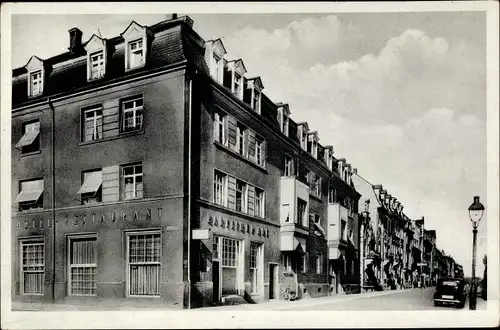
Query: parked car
point(450, 291)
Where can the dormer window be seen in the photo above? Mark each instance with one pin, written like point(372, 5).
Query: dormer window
point(214, 56)
point(312, 145)
point(135, 54)
point(302, 132)
point(36, 74)
point(97, 65)
point(283, 118)
point(237, 84)
point(253, 93)
point(135, 46)
point(36, 83)
point(237, 70)
point(329, 157)
point(96, 57)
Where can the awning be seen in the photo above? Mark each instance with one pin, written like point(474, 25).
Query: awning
point(299, 243)
point(91, 183)
point(322, 231)
point(28, 138)
point(28, 196)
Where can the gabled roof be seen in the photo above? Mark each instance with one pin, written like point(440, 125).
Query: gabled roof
point(95, 42)
point(174, 42)
point(34, 63)
point(256, 81)
point(218, 45)
point(304, 124)
point(237, 64)
point(134, 27)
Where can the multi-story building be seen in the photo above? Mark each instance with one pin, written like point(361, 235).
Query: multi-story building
point(391, 244)
point(149, 166)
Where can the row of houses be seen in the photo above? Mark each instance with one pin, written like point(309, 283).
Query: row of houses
point(149, 165)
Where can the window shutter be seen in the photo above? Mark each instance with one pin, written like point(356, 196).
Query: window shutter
point(110, 118)
point(110, 183)
point(232, 124)
point(251, 200)
point(216, 127)
point(264, 152)
point(251, 144)
point(231, 192)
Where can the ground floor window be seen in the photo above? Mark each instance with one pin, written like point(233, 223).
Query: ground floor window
point(256, 267)
point(230, 274)
point(144, 262)
point(82, 265)
point(32, 266)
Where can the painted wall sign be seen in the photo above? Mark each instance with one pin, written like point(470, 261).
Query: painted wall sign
point(234, 225)
point(136, 216)
point(199, 234)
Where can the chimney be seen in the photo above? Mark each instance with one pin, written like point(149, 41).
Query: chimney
point(75, 40)
point(174, 16)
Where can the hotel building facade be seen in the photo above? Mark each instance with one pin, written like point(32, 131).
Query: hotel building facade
point(149, 166)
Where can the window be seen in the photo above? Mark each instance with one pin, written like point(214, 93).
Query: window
point(306, 175)
point(231, 254)
point(136, 54)
point(287, 263)
point(144, 262)
point(93, 123)
point(315, 185)
point(256, 267)
point(30, 195)
point(219, 128)
point(132, 114)
point(91, 191)
point(220, 192)
point(259, 202)
point(30, 141)
point(289, 166)
point(319, 264)
point(304, 258)
point(132, 181)
point(36, 83)
point(238, 84)
point(241, 196)
point(240, 140)
point(285, 124)
point(343, 230)
point(259, 151)
point(301, 213)
point(256, 100)
point(32, 266)
point(217, 67)
point(82, 265)
point(332, 195)
point(97, 65)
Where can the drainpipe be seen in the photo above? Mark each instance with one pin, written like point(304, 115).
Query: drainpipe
point(190, 144)
point(53, 210)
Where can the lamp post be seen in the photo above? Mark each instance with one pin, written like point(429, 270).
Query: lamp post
point(364, 224)
point(476, 211)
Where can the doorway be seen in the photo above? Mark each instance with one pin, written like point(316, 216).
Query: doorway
point(216, 281)
point(273, 280)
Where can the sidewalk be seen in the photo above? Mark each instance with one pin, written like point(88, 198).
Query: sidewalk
point(109, 305)
point(309, 302)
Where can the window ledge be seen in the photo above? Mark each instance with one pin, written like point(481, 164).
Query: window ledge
point(119, 136)
point(31, 211)
point(31, 153)
point(245, 159)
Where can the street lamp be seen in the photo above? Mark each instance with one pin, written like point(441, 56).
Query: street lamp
point(476, 211)
point(365, 220)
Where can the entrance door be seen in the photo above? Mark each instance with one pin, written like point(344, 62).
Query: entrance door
point(216, 280)
point(273, 280)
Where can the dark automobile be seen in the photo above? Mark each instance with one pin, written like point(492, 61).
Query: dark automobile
point(450, 291)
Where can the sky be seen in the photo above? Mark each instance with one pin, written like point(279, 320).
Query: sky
point(402, 96)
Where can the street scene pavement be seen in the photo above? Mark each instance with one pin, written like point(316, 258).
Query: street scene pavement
point(397, 300)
